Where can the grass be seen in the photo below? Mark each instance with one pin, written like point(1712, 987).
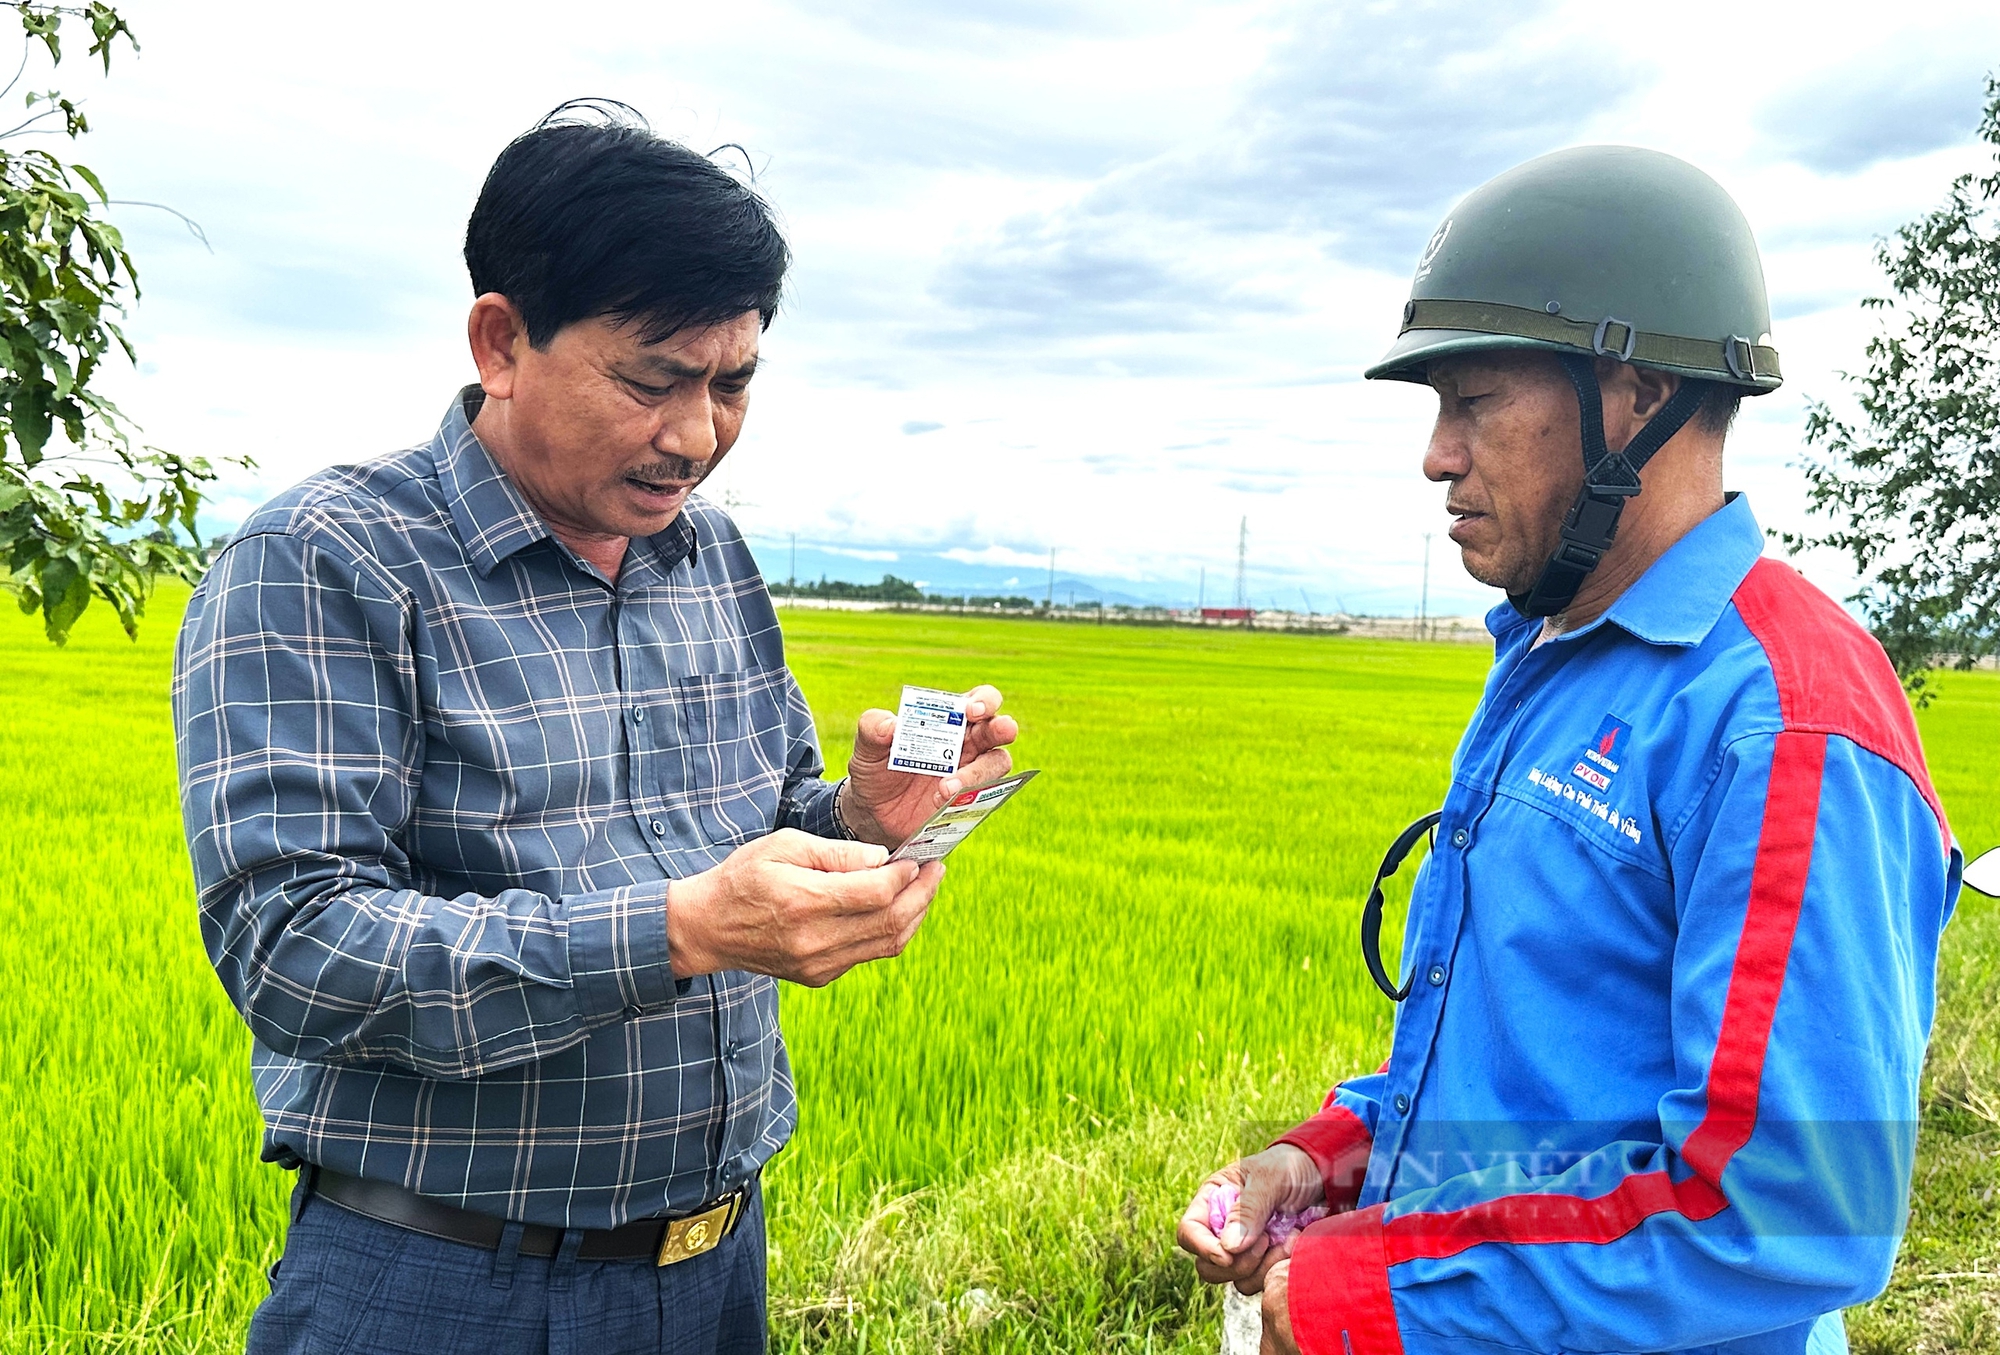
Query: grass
point(1148, 950)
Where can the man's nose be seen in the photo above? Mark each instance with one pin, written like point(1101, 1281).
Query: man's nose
point(687, 428)
point(1447, 457)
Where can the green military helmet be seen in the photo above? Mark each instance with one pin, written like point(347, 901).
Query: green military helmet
point(1608, 250)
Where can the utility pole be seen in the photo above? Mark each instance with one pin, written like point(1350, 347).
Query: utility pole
point(1049, 598)
point(1242, 554)
point(1201, 592)
point(792, 582)
point(1424, 599)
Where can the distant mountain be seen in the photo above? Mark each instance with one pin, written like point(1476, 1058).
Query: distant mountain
point(938, 575)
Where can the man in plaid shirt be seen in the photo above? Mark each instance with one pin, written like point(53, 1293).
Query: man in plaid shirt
point(506, 814)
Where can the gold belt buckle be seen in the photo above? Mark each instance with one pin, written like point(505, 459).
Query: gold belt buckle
point(698, 1233)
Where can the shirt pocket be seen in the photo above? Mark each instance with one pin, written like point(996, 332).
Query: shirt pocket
point(1616, 818)
point(734, 748)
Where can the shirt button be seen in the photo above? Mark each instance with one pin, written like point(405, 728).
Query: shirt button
point(659, 829)
point(1402, 1104)
point(632, 1010)
point(1436, 976)
point(1460, 837)
point(638, 716)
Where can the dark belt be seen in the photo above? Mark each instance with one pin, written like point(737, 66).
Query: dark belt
point(661, 1241)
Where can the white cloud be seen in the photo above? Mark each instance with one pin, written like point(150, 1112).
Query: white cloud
point(992, 555)
point(858, 553)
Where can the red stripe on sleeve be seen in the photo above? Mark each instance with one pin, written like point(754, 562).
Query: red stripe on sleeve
point(1339, 1144)
point(1832, 676)
point(1338, 1289)
point(1529, 1219)
point(1777, 891)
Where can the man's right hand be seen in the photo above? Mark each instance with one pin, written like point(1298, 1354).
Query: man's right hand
point(797, 907)
point(1279, 1178)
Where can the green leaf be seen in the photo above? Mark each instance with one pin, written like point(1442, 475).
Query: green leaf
point(32, 420)
point(84, 173)
point(45, 26)
point(65, 593)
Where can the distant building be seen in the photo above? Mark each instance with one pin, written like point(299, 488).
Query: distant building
point(1225, 613)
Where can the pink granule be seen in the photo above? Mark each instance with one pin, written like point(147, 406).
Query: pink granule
point(1279, 1229)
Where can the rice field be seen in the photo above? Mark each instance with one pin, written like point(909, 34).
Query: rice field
point(1149, 947)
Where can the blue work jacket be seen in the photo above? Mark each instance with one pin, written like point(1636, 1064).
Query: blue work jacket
point(1673, 955)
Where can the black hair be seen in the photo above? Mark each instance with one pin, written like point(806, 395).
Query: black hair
point(1718, 407)
point(590, 213)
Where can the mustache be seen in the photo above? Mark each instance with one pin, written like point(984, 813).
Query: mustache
point(672, 469)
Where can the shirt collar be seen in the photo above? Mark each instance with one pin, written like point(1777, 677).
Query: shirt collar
point(1681, 596)
point(494, 520)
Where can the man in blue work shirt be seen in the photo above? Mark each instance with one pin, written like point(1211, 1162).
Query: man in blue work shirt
point(1670, 966)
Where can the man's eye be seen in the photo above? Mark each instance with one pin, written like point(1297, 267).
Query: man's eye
point(649, 392)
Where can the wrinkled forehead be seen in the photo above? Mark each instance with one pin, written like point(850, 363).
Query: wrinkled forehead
point(1455, 371)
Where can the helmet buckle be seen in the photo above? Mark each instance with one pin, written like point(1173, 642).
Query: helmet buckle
point(1612, 476)
point(1603, 326)
point(1743, 368)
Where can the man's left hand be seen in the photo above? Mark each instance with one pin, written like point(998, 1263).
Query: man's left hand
point(887, 807)
point(1278, 1311)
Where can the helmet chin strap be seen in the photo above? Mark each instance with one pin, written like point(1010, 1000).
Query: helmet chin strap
point(1609, 478)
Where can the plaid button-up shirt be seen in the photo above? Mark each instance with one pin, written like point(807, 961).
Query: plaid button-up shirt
point(437, 773)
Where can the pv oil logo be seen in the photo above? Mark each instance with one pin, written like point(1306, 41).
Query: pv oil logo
point(1600, 759)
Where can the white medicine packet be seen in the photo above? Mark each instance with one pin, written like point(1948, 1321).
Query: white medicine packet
point(930, 732)
point(954, 823)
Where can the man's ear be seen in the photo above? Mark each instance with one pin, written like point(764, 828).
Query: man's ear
point(496, 333)
point(1632, 395)
point(1651, 391)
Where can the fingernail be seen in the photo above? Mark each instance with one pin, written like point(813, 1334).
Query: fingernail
point(976, 709)
point(952, 787)
point(1232, 1237)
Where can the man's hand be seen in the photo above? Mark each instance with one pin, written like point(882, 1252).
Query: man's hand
point(797, 907)
point(887, 807)
point(1278, 1339)
point(1279, 1178)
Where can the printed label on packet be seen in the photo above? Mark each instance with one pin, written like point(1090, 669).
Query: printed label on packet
point(954, 823)
point(930, 732)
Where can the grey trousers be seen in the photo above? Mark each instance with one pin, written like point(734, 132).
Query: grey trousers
point(348, 1283)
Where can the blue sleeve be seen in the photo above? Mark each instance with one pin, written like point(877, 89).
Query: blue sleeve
point(301, 743)
point(1811, 884)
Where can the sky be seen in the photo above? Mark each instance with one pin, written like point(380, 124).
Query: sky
point(1093, 278)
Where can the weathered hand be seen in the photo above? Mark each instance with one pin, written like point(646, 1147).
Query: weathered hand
point(886, 807)
point(797, 907)
point(1279, 1178)
point(1278, 1339)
